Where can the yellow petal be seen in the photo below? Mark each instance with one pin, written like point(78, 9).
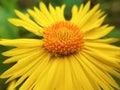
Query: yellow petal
point(106, 40)
point(26, 70)
point(39, 17)
point(34, 28)
point(46, 13)
point(88, 16)
point(109, 50)
point(81, 77)
point(69, 84)
point(23, 62)
point(93, 25)
point(52, 12)
point(18, 55)
point(91, 21)
point(95, 73)
point(74, 10)
point(101, 74)
point(22, 43)
point(98, 32)
point(101, 65)
point(40, 71)
point(99, 55)
point(45, 81)
point(19, 51)
point(11, 85)
point(57, 13)
point(60, 13)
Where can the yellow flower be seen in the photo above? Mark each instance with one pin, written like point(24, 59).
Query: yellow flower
point(72, 54)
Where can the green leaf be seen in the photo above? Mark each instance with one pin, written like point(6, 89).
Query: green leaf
point(6, 29)
point(115, 34)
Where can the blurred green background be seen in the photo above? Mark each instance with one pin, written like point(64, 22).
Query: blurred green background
point(111, 7)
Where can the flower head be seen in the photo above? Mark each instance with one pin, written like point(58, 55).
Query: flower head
point(63, 38)
point(71, 55)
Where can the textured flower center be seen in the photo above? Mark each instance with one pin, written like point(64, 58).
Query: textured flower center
point(63, 38)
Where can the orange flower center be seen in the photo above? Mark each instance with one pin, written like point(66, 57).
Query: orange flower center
point(63, 38)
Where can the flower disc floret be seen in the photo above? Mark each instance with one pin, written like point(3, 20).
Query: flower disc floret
point(63, 38)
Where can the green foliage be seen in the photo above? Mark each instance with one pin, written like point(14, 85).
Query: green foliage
point(115, 34)
point(6, 29)
point(6, 11)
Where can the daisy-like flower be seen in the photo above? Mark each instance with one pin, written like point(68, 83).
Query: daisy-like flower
point(72, 55)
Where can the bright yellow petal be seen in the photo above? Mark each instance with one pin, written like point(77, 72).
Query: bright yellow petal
point(92, 21)
point(101, 74)
point(19, 56)
point(57, 13)
point(95, 73)
point(23, 16)
point(98, 32)
point(31, 68)
point(69, 84)
point(106, 40)
point(45, 80)
point(46, 13)
point(74, 11)
point(39, 17)
point(99, 55)
point(52, 12)
point(75, 16)
point(22, 43)
point(87, 27)
point(23, 62)
point(88, 16)
point(60, 13)
point(84, 11)
point(101, 65)
point(109, 50)
point(11, 85)
point(19, 51)
point(34, 28)
point(84, 17)
point(39, 71)
point(81, 77)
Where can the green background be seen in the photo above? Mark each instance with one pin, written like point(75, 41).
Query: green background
point(111, 7)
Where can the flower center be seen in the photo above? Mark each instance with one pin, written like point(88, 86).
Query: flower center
point(63, 38)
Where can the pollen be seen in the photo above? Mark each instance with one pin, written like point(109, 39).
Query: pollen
point(63, 38)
